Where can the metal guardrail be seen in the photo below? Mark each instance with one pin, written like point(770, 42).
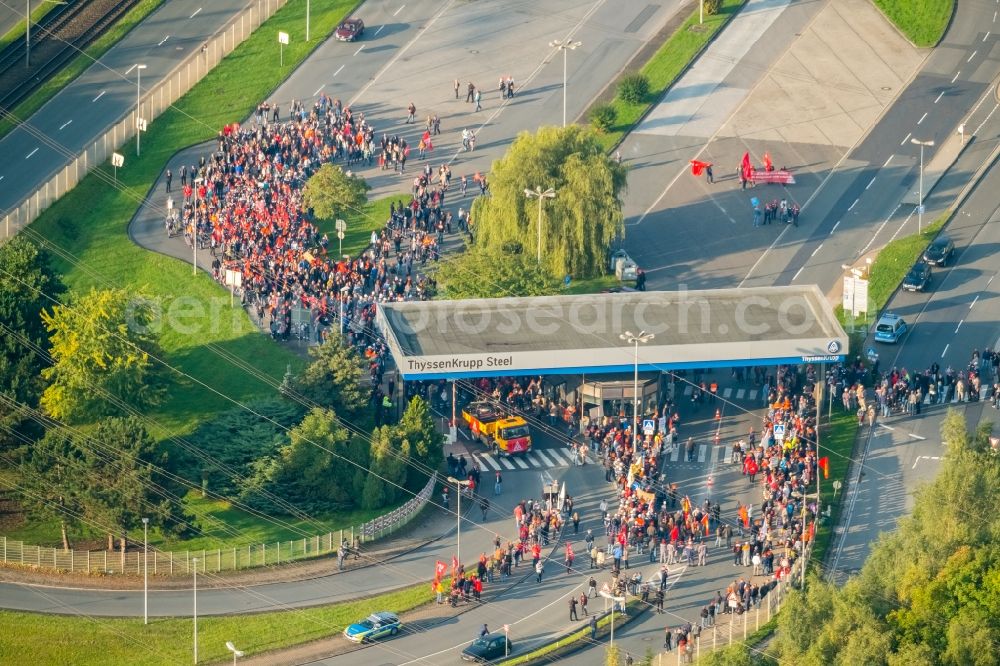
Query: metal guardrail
point(157, 100)
point(180, 563)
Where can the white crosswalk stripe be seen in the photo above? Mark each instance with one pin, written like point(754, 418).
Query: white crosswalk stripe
point(753, 394)
point(720, 454)
point(688, 389)
point(740, 393)
point(536, 459)
point(675, 455)
point(507, 463)
point(558, 458)
point(488, 459)
point(702, 450)
point(541, 456)
point(727, 393)
point(520, 463)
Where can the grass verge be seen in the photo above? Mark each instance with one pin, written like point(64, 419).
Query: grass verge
point(81, 640)
point(667, 65)
point(922, 21)
point(79, 64)
point(836, 443)
point(361, 224)
point(17, 32)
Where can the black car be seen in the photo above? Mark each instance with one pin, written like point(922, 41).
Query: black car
point(918, 278)
point(487, 648)
point(939, 252)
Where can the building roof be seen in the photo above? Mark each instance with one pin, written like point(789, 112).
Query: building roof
point(570, 334)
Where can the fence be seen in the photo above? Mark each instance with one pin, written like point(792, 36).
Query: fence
point(167, 563)
point(155, 102)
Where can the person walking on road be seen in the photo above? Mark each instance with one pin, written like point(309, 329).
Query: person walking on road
point(169, 177)
point(498, 484)
point(583, 603)
point(471, 92)
point(539, 570)
point(593, 627)
point(478, 99)
point(411, 112)
point(457, 86)
point(485, 631)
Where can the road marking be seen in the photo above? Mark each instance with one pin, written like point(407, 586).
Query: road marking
point(940, 95)
point(853, 205)
point(740, 393)
point(98, 97)
point(924, 458)
point(702, 451)
point(972, 56)
point(882, 425)
point(922, 118)
point(987, 118)
point(676, 453)
point(557, 457)
point(163, 40)
point(753, 395)
point(905, 139)
point(360, 48)
point(879, 230)
point(520, 463)
point(816, 250)
point(688, 390)
point(28, 156)
point(887, 161)
point(990, 280)
point(379, 30)
point(728, 393)
point(797, 273)
point(955, 78)
point(488, 459)
point(835, 227)
point(398, 10)
point(339, 69)
point(974, 301)
point(720, 454)
point(195, 13)
point(507, 463)
point(548, 463)
point(945, 350)
point(2, 177)
point(986, 35)
point(130, 69)
point(959, 325)
point(918, 437)
point(65, 124)
point(318, 90)
point(870, 183)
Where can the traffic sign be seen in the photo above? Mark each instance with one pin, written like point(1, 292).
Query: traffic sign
point(779, 431)
point(648, 426)
point(340, 225)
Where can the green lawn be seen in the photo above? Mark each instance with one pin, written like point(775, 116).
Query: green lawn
point(361, 224)
point(30, 638)
point(837, 443)
point(922, 21)
point(77, 65)
point(669, 62)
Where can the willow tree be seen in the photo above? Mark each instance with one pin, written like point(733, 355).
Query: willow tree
point(578, 224)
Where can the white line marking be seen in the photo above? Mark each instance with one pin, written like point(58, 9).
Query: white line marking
point(797, 273)
point(702, 451)
point(905, 139)
point(752, 395)
point(959, 325)
point(740, 393)
point(879, 230)
point(955, 78)
point(2, 177)
point(945, 350)
point(870, 183)
point(65, 123)
point(974, 301)
point(972, 56)
point(938, 98)
point(887, 161)
point(398, 10)
point(28, 156)
point(545, 461)
point(918, 437)
point(853, 205)
point(676, 453)
point(339, 69)
point(195, 13)
point(986, 35)
point(555, 455)
point(816, 250)
point(995, 107)
point(520, 463)
point(727, 393)
point(485, 457)
point(360, 48)
point(507, 463)
point(990, 280)
point(163, 40)
point(379, 30)
point(835, 227)
point(98, 97)
point(130, 70)
point(922, 118)
point(882, 425)
point(318, 90)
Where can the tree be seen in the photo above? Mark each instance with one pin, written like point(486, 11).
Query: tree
point(334, 378)
point(26, 284)
point(330, 192)
point(390, 457)
point(50, 481)
point(510, 274)
point(578, 225)
point(102, 343)
point(416, 428)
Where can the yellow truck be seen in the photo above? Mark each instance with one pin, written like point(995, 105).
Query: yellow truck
point(504, 435)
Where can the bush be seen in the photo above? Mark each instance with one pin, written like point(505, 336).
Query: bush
point(633, 89)
point(603, 117)
point(712, 7)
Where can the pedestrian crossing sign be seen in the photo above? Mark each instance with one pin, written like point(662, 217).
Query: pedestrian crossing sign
point(648, 426)
point(779, 431)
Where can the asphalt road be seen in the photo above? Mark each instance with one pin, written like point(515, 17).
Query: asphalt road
point(99, 97)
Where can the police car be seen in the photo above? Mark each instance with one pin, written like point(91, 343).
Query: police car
point(890, 328)
point(374, 626)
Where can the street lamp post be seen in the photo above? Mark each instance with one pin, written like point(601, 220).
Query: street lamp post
point(633, 339)
point(459, 483)
point(540, 195)
point(27, 28)
point(138, 106)
point(194, 561)
point(145, 570)
point(920, 196)
point(614, 600)
point(564, 46)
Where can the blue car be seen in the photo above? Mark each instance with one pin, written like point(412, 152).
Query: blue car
point(890, 328)
point(374, 626)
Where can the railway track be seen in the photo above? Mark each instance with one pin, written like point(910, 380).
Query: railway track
point(55, 40)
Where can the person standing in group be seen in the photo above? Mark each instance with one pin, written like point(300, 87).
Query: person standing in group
point(572, 608)
point(583, 603)
point(471, 92)
point(539, 570)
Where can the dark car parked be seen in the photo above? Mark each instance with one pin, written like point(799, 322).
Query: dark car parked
point(939, 252)
point(350, 30)
point(487, 648)
point(918, 278)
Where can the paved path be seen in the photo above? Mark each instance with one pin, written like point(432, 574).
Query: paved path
point(100, 96)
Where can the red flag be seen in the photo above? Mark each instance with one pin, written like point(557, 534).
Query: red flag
point(824, 464)
point(768, 165)
point(698, 167)
point(440, 568)
point(745, 166)
point(454, 563)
